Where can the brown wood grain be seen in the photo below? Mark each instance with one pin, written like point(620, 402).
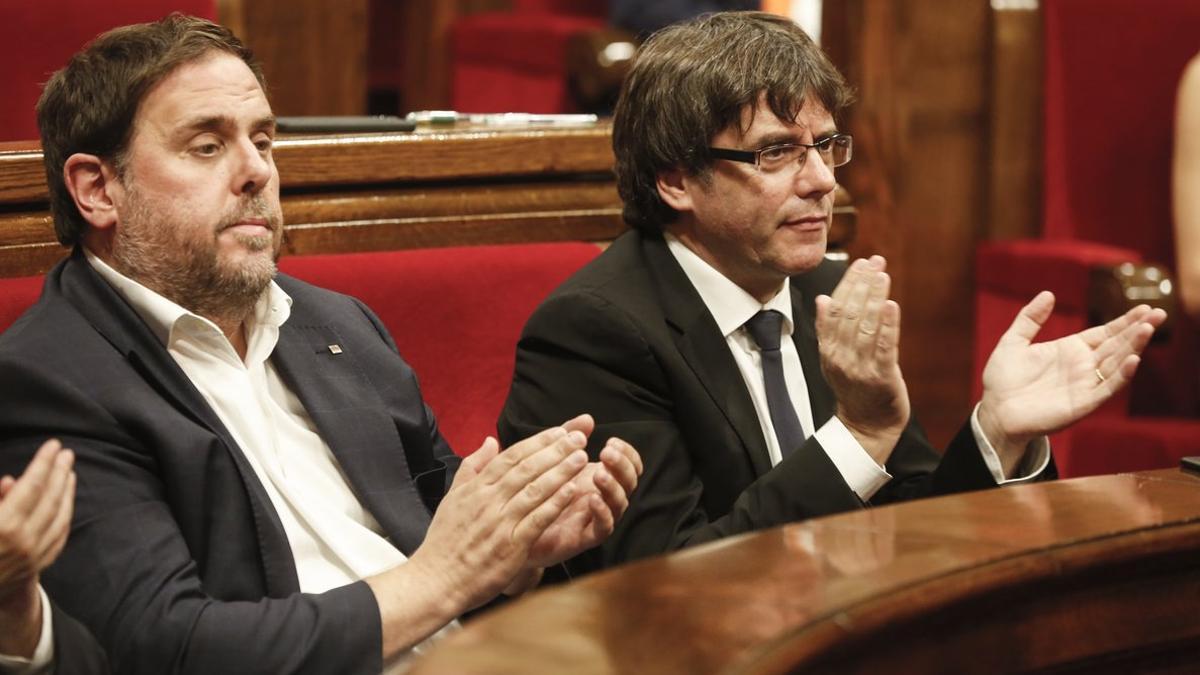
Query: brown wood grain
point(1015, 163)
point(367, 192)
point(346, 159)
point(919, 176)
point(313, 52)
point(1073, 575)
point(342, 193)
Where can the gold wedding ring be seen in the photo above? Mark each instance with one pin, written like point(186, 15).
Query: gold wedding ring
point(1099, 376)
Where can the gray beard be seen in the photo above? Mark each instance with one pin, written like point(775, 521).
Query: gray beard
point(195, 279)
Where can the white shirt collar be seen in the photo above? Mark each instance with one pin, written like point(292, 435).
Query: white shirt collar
point(165, 318)
point(729, 304)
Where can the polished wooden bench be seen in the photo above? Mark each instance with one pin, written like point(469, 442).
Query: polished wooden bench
point(1089, 575)
point(448, 186)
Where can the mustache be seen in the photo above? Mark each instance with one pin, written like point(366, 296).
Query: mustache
point(253, 207)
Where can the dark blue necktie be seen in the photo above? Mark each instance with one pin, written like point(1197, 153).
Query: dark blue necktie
point(765, 327)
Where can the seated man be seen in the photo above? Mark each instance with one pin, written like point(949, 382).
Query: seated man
point(35, 517)
point(261, 487)
point(760, 381)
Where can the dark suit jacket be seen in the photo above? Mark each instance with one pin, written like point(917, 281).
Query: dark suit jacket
point(75, 650)
point(177, 560)
point(629, 340)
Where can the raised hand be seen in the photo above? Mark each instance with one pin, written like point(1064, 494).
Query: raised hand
point(858, 329)
point(1030, 390)
point(498, 506)
point(602, 495)
point(505, 516)
point(35, 517)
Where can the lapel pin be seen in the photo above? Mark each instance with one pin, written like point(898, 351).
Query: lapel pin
point(335, 349)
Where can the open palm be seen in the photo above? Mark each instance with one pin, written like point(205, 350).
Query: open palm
point(1036, 389)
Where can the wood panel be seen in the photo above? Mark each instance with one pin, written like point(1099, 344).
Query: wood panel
point(436, 187)
point(313, 52)
point(1015, 163)
point(919, 176)
point(365, 192)
point(1090, 575)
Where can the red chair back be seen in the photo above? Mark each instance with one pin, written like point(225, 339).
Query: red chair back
point(1111, 71)
point(455, 314)
point(37, 38)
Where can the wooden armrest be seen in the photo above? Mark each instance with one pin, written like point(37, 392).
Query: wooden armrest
point(1115, 289)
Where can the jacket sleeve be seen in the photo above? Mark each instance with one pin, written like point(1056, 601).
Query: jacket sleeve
point(76, 652)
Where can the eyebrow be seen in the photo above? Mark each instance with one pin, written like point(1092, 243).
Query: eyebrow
point(217, 123)
point(782, 137)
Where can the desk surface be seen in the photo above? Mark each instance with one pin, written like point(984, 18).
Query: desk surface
point(430, 153)
point(381, 191)
point(1089, 574)
point(437, 186)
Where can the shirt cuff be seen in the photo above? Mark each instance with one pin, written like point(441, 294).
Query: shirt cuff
point(43, 654)
point(858, 469)
point(1035, 461)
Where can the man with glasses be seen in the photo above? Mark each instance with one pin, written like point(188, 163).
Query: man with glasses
point(759, 380)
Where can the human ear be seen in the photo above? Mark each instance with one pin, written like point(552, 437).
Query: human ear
point(92, 182)
point(673, 189)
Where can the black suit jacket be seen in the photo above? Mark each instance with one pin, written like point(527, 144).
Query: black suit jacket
point(75, 650)
point(177, 560)
point(629, 340)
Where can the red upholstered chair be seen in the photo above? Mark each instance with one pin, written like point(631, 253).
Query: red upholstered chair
point(37, 38)
point(456, 314)
point(515, 61)
point(17, 295)
point(1111, 71)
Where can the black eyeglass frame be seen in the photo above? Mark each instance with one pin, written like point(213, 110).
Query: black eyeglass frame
point(752, 156)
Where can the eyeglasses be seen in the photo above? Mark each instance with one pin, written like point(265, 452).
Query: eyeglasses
point(834, 151)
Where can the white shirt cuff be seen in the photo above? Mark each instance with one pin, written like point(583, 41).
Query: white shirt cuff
point(858, 469)
point(43, 654)
point(1037, 455)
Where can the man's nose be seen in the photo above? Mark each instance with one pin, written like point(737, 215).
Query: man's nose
point(815, 178)
point(253, 170)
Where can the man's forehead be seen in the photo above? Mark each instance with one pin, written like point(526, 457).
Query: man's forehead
point(217, 84)
point(759, 120)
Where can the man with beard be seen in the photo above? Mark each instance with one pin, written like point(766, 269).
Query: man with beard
point(249, 499)
point(760, 381)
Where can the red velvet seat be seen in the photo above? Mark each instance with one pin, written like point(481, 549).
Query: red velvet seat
point(455, 313)
point(37, 38)
point(515, 61)
point(1111, 71)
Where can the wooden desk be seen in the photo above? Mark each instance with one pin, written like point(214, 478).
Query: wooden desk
point(1090, 575)
point(386, 191)
point(364, 192)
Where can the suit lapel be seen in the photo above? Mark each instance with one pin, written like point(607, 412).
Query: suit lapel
point(354, 422)
point(124, 329)
point(705, 350)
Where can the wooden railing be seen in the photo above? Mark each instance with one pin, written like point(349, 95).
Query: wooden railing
point(386, 191)
point(1090, 575)
point(365, 192)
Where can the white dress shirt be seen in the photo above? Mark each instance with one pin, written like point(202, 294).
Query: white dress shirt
point(732, 307)
point(40, 662)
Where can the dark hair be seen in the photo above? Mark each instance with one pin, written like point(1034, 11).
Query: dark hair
point(691, 80)
point(89, 106)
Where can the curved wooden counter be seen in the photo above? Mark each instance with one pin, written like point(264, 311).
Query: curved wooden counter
point(1090, 575)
